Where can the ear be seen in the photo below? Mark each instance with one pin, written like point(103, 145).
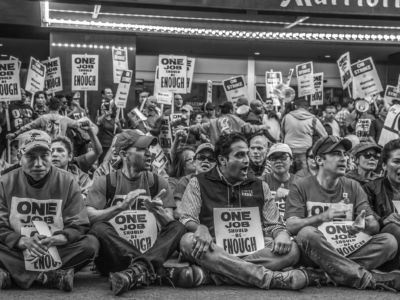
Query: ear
point(122, 153)
point(319, 160)
point(222, 160)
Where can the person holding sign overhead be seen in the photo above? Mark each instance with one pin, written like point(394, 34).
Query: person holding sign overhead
point(124, 208)
point(234, 225)
point(40, 192)
point(384, 196)
point(320, 211)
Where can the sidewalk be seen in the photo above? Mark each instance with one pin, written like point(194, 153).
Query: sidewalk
point(92, 287)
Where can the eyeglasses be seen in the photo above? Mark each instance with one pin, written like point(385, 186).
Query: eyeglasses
point(282, 158)
point(310, 156)
point(268, 103)
point(370, 155)
point(202, 157)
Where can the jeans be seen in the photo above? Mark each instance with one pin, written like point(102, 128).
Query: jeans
point(394, 230)
point(75, 255)
point(116, 253)
point(352, 271)
point(256, 269)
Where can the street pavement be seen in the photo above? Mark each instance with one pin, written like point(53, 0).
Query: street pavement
point(92, 287)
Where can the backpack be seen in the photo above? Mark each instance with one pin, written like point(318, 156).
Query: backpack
point(111, 186)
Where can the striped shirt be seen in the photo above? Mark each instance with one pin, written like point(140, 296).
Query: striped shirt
point(191, 206)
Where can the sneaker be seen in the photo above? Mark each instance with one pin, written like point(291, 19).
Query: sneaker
point(291, 280)
point(59, 279)
point(316, 277)
point(389, 281)
point(137, 274)
point(5, 279)
point(186, 276)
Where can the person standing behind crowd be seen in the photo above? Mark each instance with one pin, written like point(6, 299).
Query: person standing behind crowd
point(62, 157)
point(332, 126)
point(311, 166)
point(227, 186)
point(35, 184)
point(108, 125)
point(40, 104)
point(344, 116)
point(330, 196)
point(117, 192)
point(384, 196)
point(298, 128)
point(52, 123)
point(366, 157)
point(258, 149)
point(209, 111)
point(77, 112)
point(280, 179)
point(106, 100)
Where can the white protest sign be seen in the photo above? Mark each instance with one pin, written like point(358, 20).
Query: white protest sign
point(390, 130)
point(362, 129)
point(337, 234)
point(344, 66)
point(85, 72)
point(36, 76)
point(391, 93)
point(120, 62)
point(19, 62)
point(366, 78)
point(138, 227)
point(272, 79)
point(289, 77)
point(53, 81)
point(396, 204)
point(165, 97)
point(235, 88)
point(172, 73)
point(10, 87)
point(158, 158)
point(209, 90)
point(305, 79)
point(238, 230)
point(318, 97)
point(121, 96)
point(165, 137)
point(189, 73)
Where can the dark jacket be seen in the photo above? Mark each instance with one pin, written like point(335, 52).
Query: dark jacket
point(380, 196)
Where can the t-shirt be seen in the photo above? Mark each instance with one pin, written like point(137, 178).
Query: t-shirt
point(106, 131)
point(274, 184)
point(97, 192)
point(20, 115)
point(308, 198)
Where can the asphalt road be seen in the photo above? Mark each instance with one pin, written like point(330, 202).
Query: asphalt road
point(90, 287)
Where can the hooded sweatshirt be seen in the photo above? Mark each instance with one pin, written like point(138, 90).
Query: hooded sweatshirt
point(297, 129)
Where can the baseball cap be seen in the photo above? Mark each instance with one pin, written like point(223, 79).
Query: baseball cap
point(329, 143)
point(133, 138)
point(209, 106)
point(33, 139)
point(187, 107)
point(242, 101)
point(204, 146)
point(227, 106)
point(279, 148)
point(361, 147)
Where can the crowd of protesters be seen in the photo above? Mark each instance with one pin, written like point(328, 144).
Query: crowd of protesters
point(298, 168)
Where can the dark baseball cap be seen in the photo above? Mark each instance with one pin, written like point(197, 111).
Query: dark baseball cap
point(227, 106)
point(133, 138)
point(330, 143)
point(361, 147)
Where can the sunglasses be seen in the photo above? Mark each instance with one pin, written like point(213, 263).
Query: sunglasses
point(268, 103)
point(371, 155)
point(283, 157)
point(202, 157)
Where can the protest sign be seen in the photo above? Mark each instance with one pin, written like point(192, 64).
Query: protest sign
point(396, 204)
point(238, 230)
point(272, 79)
point(19, 62)
point(362, 129)
point(235, 88)
point(289, 77)
point(165, 137)
point(189, 73)
point(366, 78)
point(53, 81)
point(10, 87)
point(390, 130)
point(158, 158)
point(391, 93)
point(138, 227)
point(165, 98)
point(345, 69)
point(209, 90)
point(305, 79)
point(337, 234)
point(120, 62)
point(121, 96)
point(318, 97)
point(172, 73)
point(36, 76)
point(85, 72)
